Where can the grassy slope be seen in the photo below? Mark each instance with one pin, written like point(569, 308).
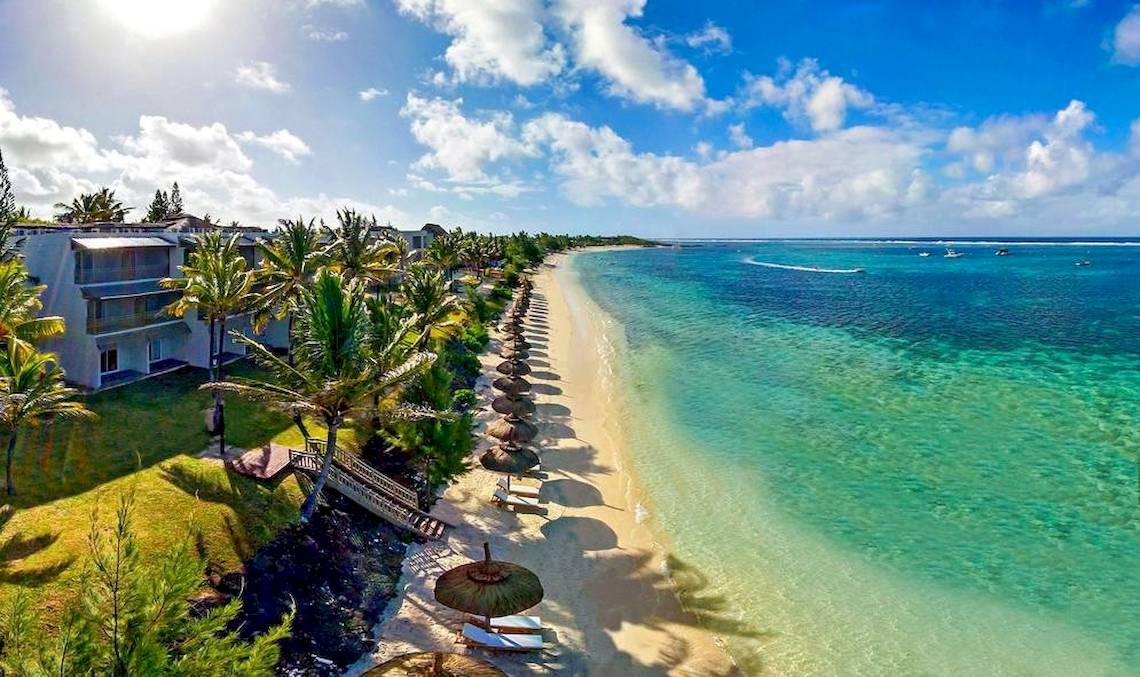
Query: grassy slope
point(145, 440)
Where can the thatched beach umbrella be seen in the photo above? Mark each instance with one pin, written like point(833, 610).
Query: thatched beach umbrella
point(513, 406)
point(511, 460)
point(509, 352)
point(513, 368)
point(511, 385)
point(434, 664)
point(489, 588)
point(512, 429)
point(518, 342)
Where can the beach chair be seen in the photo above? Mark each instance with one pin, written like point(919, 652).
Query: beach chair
point(504, 499)
point(519, 489)
point(477, 637)
point(510, 624)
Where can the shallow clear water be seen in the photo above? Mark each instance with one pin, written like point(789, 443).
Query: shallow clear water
point(926, 468)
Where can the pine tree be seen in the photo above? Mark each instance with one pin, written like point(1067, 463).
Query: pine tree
point(8, 211)
point(159, 207)
point(175, 200)
point(134, 618)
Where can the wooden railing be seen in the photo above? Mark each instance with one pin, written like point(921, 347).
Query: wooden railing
point(356, 490)
point(379, 480)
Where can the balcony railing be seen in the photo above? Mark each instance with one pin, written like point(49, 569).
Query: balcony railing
point(108, 323)
point(100, 274)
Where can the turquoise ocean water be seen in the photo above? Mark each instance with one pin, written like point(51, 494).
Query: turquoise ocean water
point(926, 468)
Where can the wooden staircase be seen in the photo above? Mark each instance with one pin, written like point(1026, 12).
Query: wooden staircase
point(369, 488)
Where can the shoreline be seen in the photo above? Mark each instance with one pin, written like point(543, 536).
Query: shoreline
point(610, 607)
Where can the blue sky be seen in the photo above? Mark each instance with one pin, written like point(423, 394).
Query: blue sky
point(660, 118)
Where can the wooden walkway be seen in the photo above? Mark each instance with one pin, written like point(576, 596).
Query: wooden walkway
point(372, 490)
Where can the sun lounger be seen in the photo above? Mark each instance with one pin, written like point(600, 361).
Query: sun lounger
point(503, 498)
point(510, 624)
point(493, 641)
point(519, 489)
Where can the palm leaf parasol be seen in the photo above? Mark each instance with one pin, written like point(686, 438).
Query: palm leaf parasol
point(509, 460)
point(516, 406)
point(489, 588)
point(434, 664)
point(509, 352)
point(511, 385)
point(512, 429)
point(513, 368)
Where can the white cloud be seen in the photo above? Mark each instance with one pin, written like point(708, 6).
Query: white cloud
point(492, 40)
point(712, 38)
point(703, 149)
point(996, 143)
point(637, 68)
point(175, 143)
point(808, 95)
point(372, 93)
point(323, 35)
point(282, 142)
point(334, 3)
point(261, 75)
point(460, 146)
point(50, 162)
point(42, 142)
point(738, 136)
point(1126, 38)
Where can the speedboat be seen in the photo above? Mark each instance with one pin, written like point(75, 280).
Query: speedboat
point(924, 253)
point(1082, 264)
point(1002, 252)
point(951, 254)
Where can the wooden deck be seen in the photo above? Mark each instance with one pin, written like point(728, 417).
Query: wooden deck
point(263, 464)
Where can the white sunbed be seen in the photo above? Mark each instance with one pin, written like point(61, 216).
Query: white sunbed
point(503, 498)
point(514, 624)
point(494, 641)
point(519, 489)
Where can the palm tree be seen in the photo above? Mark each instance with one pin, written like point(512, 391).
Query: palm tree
point(31, 392)
point(445, 253)
point(216, 282)
point(288, 265)
point(93, 207)
point(356, 253)
point(427, 295)
point(336, 370)
point(19, 304)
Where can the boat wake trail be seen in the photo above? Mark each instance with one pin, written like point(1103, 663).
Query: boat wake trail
point(806, 269)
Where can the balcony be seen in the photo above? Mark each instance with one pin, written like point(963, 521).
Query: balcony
point(101, 274)
point(109, 323)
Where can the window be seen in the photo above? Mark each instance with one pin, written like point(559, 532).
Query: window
point(109, 360)
point(417, 242)
point(155, 350)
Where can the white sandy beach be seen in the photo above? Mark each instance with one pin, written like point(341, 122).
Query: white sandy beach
point(608, 607)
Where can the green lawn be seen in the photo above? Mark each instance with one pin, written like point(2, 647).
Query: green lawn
point(144, 441)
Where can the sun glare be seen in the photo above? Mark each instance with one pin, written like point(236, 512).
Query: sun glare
point(159, 18)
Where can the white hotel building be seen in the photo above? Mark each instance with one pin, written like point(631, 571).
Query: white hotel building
point(103, 279)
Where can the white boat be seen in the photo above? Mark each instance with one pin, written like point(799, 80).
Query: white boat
point(1082, 264)
point(951, 254)
point(924, 253)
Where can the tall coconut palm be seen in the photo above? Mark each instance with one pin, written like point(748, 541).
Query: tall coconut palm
point(336, 371)
point(445, 253)
point(358, 254)
point(93, 207)
point(288, 265)
point(31, 392)
point(427, 294)
point(216, 282)
point(19, 305)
